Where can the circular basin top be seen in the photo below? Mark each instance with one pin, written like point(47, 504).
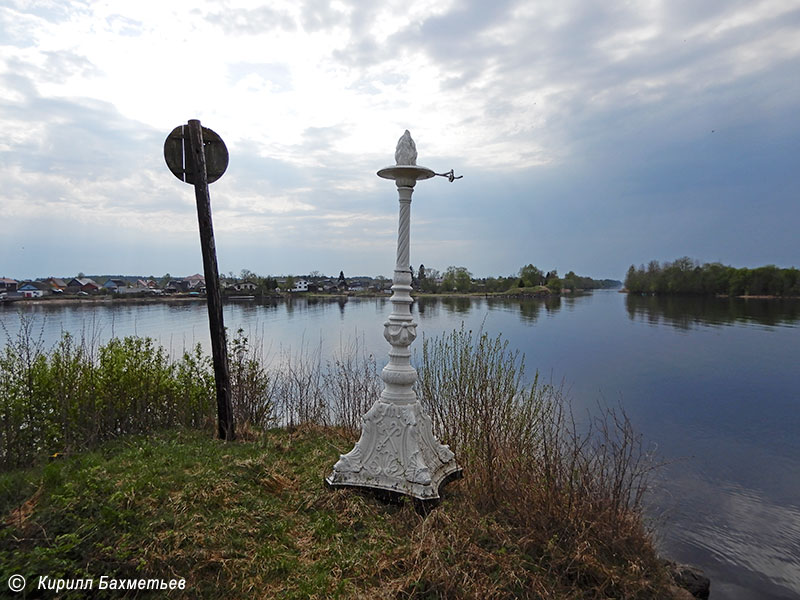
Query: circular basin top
point(406, 172)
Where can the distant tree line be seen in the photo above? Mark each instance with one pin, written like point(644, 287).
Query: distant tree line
point(575, 282)
point(459, 279)
point(453, 279)
point(687, 276)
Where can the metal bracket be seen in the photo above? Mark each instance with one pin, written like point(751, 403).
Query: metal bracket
point(449, 175)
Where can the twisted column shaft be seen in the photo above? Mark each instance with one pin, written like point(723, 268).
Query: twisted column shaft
point(400, 330)
point(404, 229)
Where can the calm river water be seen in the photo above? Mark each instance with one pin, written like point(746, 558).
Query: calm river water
point(713, 384)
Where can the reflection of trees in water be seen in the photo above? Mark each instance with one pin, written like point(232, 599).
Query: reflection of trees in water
point(571, 300)
point(688, 312)
point(426, 307)
point(552, 303)
point(529, 310)
point(248, 308)
point(294, 304)
point(457, 305)
point(430, 308)
point(268, 303)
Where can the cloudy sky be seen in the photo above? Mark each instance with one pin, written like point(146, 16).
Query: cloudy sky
point(591, 135)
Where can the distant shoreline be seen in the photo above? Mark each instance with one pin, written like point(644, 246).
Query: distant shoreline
point(521, 295)
point(58, 300)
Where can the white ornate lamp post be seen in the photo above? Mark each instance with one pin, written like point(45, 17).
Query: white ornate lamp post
point(397, 451)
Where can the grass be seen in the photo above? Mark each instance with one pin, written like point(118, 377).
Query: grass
point(236, 520)
point(253, 519)
point(546, 510)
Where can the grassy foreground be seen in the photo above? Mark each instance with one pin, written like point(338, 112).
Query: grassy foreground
point(551, 505)
point(253, 519)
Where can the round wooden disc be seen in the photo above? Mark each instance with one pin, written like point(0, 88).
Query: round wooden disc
point(176, 153)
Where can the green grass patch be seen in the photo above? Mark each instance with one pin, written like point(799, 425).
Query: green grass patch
point(254, 519)
point(237, 520)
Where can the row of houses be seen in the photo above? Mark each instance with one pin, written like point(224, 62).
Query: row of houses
point(42, 287)
point(298, 285)
point(327, 285)
point(11, 288)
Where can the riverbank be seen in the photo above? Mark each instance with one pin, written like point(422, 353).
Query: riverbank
point(516, 293)
point(252, 518)
point(138, 485)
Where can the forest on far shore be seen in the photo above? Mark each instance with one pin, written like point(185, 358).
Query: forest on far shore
point(688, 276)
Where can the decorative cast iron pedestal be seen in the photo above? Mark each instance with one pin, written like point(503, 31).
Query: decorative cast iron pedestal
point(397, 451)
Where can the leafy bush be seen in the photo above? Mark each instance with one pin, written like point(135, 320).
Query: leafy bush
point(253, 388)
point(78, 393)
point(75, 395)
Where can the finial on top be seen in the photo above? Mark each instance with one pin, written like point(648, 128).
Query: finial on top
point(406, 152)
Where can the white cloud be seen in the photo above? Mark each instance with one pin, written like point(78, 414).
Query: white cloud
point(311, 98)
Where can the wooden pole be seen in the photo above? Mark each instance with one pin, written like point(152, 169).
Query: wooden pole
point(218, 347)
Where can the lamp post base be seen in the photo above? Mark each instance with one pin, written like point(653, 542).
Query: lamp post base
point(397, 452)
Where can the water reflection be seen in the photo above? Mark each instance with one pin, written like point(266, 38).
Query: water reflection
point(552, 304)
point(421, 305)
point(706, 378)
point(679, 312)
point(690, 312)
point(529, 310)
point(457, 305)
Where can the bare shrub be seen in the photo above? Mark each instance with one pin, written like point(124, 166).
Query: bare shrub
point(571, 494)
point(472, 387)
point(352, 385)
point(301, 388)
